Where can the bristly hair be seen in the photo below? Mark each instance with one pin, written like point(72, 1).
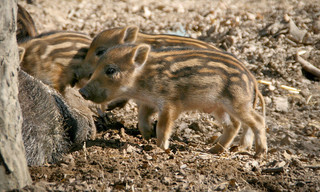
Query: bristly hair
point(47, 34)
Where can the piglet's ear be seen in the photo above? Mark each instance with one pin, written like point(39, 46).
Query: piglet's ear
point(140, 54)
point(21, 53)
point(129, 34)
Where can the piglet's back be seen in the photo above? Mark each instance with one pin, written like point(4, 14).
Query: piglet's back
point(187, 74)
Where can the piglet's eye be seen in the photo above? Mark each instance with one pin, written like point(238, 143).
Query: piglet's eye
point(110, 71)
point(100, 52)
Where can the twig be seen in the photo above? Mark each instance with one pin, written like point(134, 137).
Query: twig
point(308, 100)
point(308, 66)
point(84, 147)
point(312, 167)
point(273, 170)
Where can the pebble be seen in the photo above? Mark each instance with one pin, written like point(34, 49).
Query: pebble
point(285, 141)
point(281, 104)
point(316, 25)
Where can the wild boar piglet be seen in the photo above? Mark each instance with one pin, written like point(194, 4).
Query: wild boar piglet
point(55, 57)
point(171, 81)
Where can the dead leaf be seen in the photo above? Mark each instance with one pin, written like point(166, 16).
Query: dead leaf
point(295, 33)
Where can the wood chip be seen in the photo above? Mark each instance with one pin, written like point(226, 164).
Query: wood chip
point(308, 66)
point(296, 33)
point(264, 82)
point(313, 167)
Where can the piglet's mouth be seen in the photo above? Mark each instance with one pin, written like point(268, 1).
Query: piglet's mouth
point(84, 93)
point(87, 96)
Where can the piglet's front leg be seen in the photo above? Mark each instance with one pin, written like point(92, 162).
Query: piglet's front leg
point(144, 120)
point(167, 116)
point(230, 129)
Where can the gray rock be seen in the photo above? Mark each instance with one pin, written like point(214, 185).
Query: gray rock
point(281, 104)
point(14, 172)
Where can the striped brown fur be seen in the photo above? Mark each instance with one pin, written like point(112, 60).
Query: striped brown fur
point(25, 25)
point(55, 57)
point(131, 34)
point(173, 80)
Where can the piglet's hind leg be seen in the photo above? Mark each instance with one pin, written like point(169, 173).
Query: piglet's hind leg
point(167, 116)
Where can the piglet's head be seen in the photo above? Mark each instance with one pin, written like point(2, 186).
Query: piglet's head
point(116, 72)
point(104, 41)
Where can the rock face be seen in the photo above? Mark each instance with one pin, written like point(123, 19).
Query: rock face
point(14, 172)
point(49, 125)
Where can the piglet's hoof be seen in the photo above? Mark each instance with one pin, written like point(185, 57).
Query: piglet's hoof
point(260, 154)
point(217, 149)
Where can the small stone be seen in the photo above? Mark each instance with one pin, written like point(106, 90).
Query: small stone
point(183, 166)
point(60, 188)
point(285, 141)
point(222, 187)
point(68, 159)
point(281, 104)
point(316, 25)
point(204, 156)
point(123, 133)
point(71, 180)
point(77, 188)
point(252, 165)
point(166, 180)
point(251, 16)
point(135, 8)
point(187, 132)
point(286, 18)
point(131, 149)
point(146, 12)
point(271, 87)
point(64, 166)
point(267, 100)
point(148, 157)
point(281, 164)
point(180, 9)
point(287, 156)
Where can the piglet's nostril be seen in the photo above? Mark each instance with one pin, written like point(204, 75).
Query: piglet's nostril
point(84, 93)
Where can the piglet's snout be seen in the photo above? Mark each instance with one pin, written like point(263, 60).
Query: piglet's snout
point(84, 93)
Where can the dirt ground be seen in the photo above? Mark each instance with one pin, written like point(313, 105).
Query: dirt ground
point(265, 35)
